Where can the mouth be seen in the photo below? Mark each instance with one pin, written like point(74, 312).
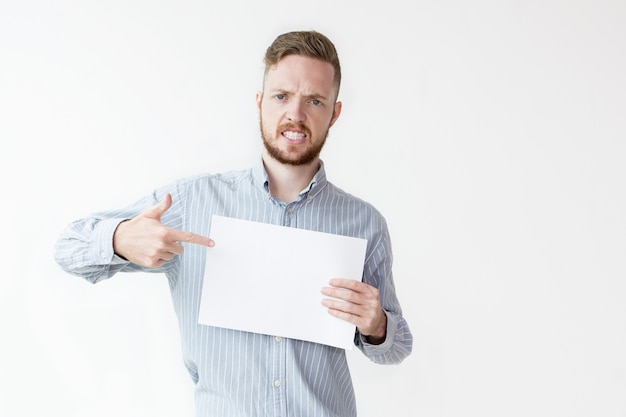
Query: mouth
point(294, 135)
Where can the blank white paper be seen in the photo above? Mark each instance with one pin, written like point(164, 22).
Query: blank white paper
point(267, 279)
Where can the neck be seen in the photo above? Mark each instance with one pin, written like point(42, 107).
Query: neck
point(286, 181)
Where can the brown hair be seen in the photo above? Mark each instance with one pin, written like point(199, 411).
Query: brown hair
point(310, 44)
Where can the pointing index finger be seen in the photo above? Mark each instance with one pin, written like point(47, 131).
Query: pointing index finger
point(190, 237)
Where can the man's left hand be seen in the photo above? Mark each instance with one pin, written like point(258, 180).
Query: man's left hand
point(359, 304)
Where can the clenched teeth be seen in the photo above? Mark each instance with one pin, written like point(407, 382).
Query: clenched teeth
point(289, 134)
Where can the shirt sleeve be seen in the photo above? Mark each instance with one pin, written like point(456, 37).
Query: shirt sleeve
point(398, 343)
point(85, 246)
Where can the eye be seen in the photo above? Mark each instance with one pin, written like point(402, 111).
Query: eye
point(279, 97)
point(316, 102)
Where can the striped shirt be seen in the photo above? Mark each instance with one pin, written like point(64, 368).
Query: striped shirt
point(239, 373)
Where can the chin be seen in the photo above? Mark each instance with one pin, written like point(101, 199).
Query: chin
point(290, 158)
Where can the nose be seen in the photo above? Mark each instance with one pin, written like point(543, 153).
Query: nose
point(295, 111)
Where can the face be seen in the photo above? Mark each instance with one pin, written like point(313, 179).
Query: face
point(297, 108)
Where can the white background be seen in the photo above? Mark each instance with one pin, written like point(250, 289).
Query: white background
point(491, 134)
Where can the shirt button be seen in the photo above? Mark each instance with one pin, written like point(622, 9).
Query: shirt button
point(277, 383)
point(290, 210)
point(278, 338)
point(103, 255)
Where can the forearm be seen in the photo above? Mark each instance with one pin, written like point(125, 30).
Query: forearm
point(85, 249)
point(398, 341)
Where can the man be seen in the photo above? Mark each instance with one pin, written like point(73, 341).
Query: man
point(247, 374)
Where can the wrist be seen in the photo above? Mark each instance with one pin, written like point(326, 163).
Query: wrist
point(116, 240)
point(380, 334)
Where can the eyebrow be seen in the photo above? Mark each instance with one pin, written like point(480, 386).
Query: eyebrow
point(309, 96)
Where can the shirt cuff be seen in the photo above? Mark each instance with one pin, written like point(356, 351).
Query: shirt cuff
point(102, 244)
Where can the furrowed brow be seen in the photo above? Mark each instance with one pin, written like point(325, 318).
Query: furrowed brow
point(315, 96)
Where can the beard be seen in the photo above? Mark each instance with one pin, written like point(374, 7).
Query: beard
point(293, 155)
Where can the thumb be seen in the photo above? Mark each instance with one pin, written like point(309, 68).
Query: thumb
point(156, 211)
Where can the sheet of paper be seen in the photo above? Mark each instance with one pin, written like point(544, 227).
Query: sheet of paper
point(264, 278)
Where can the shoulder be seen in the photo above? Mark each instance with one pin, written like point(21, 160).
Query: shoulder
point(355, 207)
point(212, 179)
point(200, 187)
point(349, 198)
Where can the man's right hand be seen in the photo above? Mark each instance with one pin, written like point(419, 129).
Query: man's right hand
point(145, 241)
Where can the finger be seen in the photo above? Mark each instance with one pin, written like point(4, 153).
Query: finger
point(362, 289)
point(180, 236)
point(167, 256)
point(342, 294)
point(344, 311)
point(350, 284)
point(339, 305)
point(156, 211)
point(349, 317)
point(174, 248)
point(369, 320)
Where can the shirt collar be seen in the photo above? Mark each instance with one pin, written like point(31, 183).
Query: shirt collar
point(317, 184)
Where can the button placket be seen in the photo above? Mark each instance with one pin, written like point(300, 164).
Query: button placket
point(289, 216)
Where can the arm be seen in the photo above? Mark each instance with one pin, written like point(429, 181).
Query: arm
point(85, 248)
point(99, 246)
point(383, 335)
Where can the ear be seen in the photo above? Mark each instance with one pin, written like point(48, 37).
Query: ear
point(336, 113)
point(259, 99)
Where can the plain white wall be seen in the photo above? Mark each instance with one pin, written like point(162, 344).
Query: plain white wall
point(490, 134)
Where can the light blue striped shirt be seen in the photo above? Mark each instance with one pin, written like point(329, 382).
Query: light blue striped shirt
point(238, 373)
